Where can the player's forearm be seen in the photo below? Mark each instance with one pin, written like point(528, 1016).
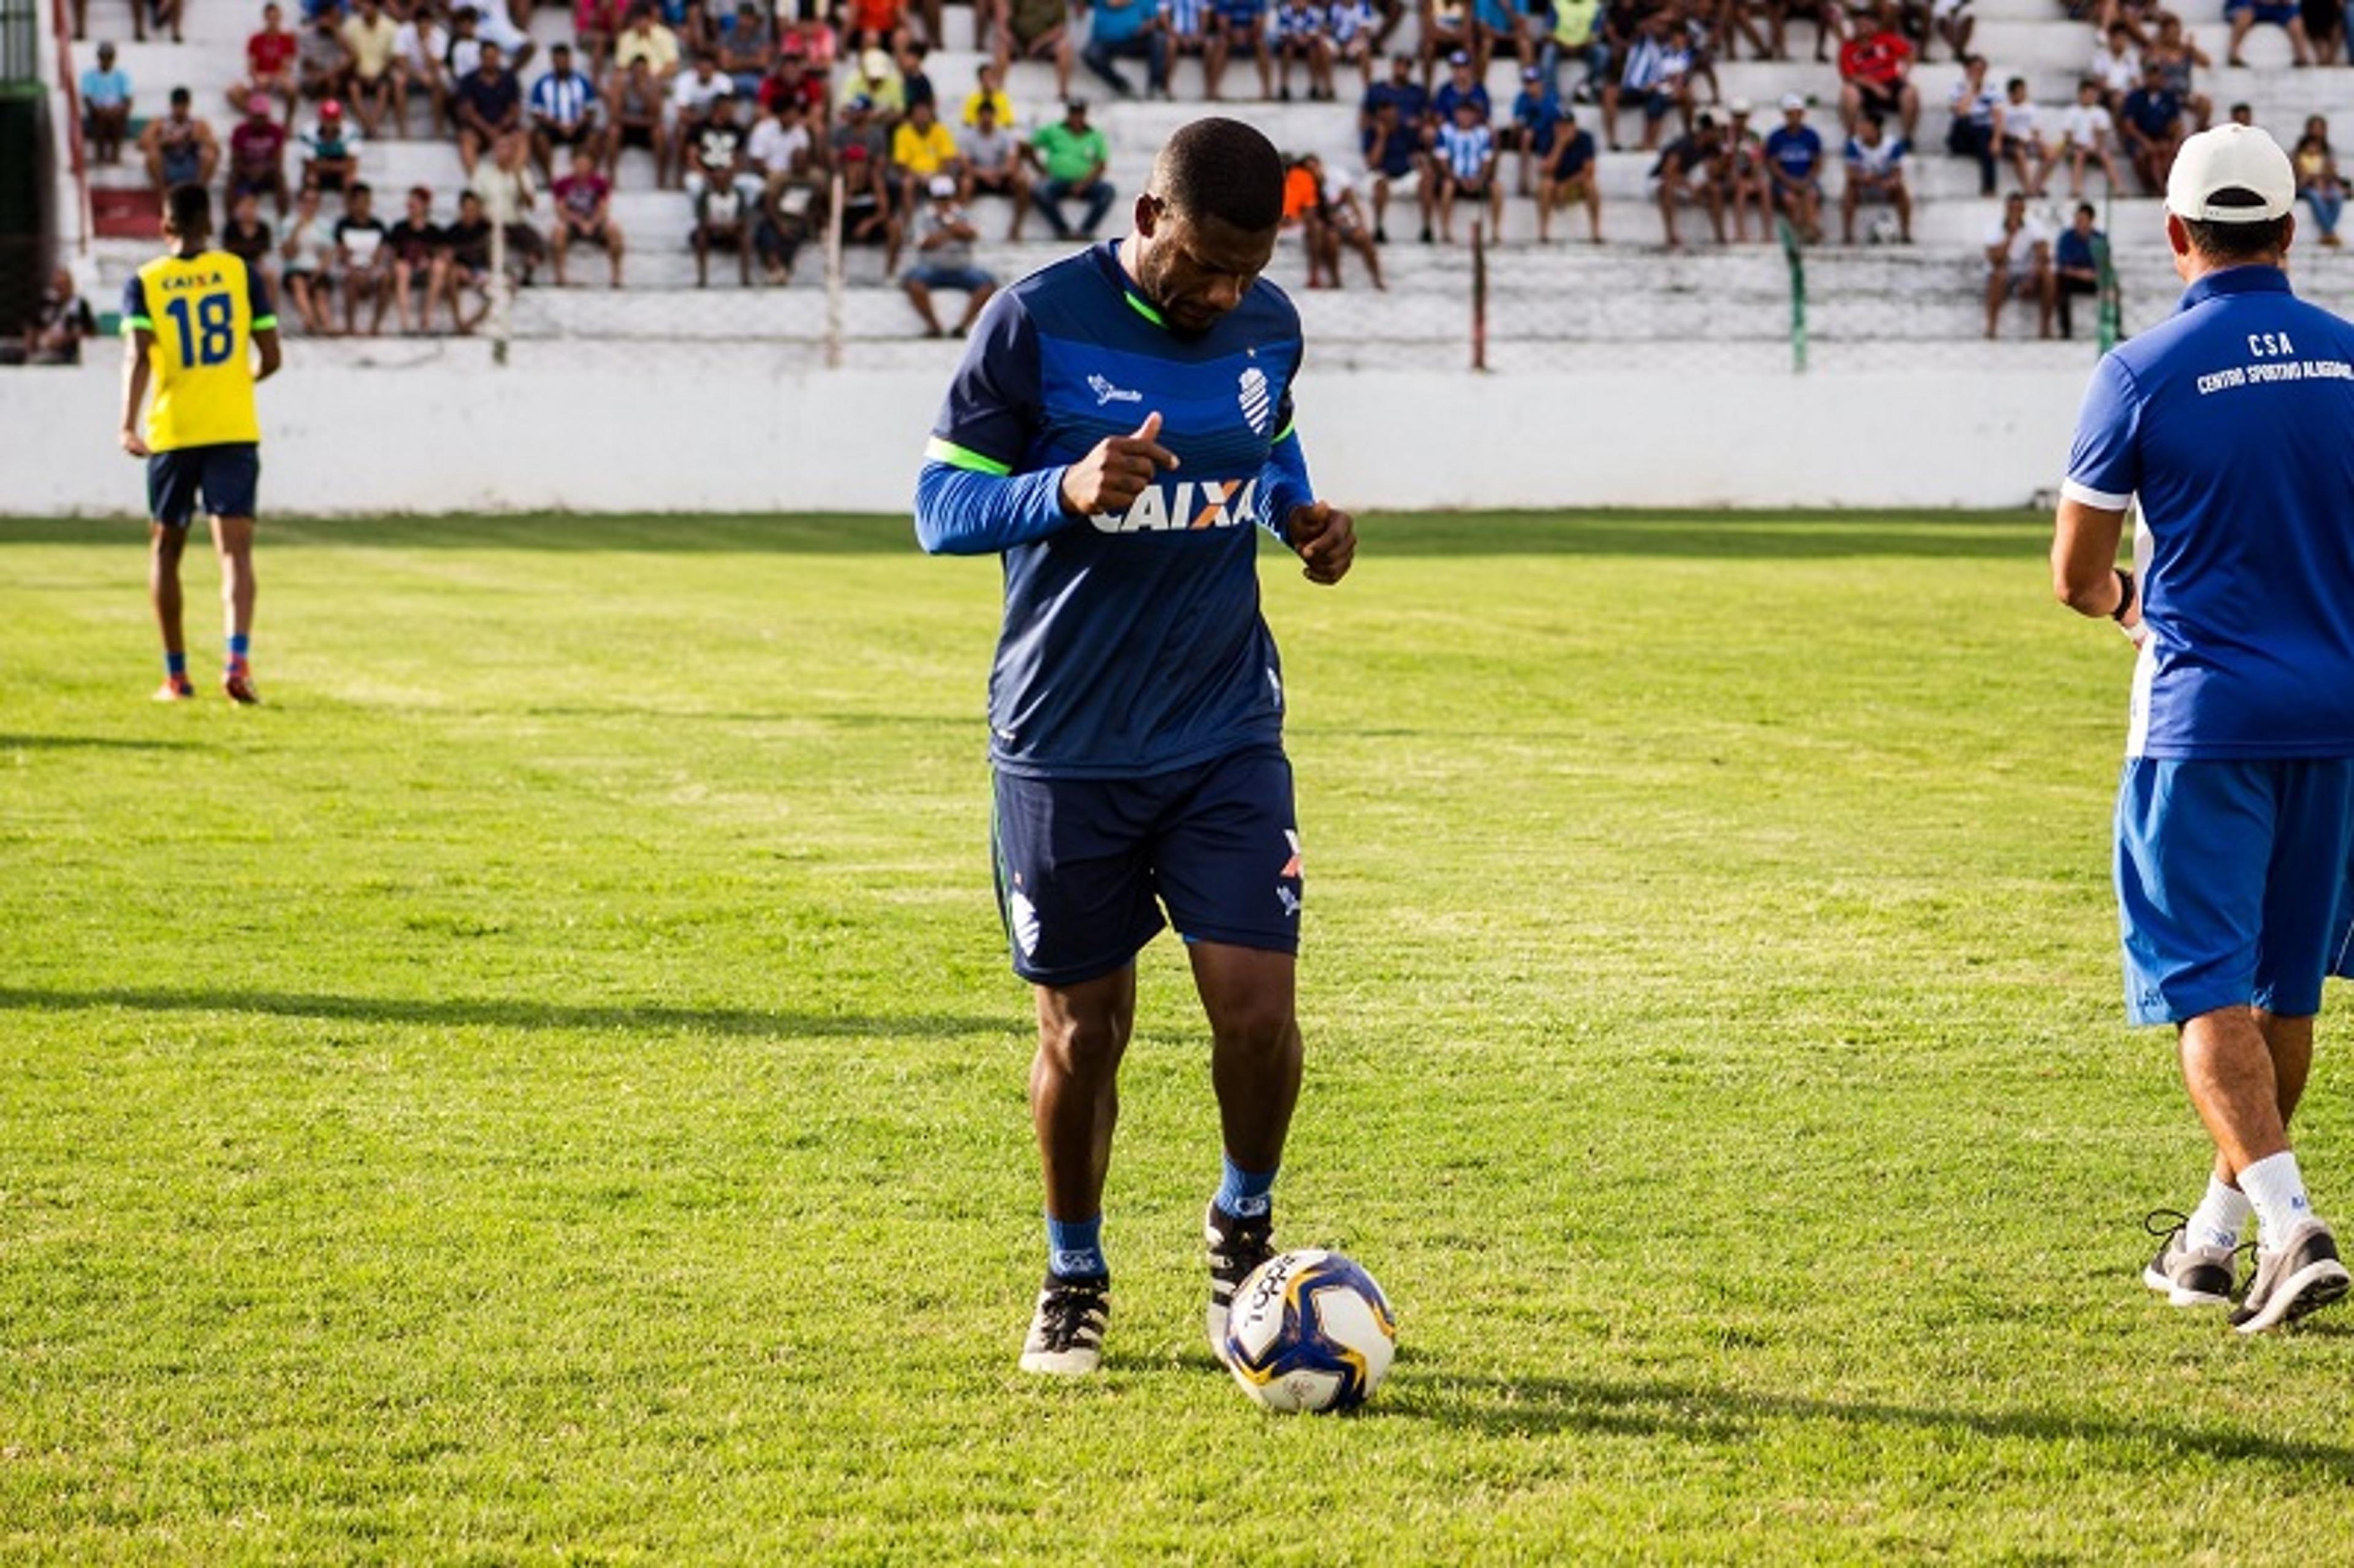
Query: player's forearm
point(2085, 574)
point(963, 511)
point(1286, 485)
point(134, 381)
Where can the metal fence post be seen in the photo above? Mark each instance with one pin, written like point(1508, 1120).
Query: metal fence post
point(833, 280)
point(1797, 261)
point(1479, 295)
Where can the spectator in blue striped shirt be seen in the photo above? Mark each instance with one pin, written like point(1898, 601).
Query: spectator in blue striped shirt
point(1299, 37)
point(1238, 25)
point(1185, 24)
point(1657, 77)
point(1354, 27)
point(564, 112)
point(1466, 170)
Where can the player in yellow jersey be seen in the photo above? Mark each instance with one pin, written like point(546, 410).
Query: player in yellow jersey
point(194, 318)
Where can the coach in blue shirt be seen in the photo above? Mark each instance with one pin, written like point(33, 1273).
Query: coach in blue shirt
point(2233, 424)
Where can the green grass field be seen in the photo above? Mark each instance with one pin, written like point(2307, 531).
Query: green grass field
point(547, 1088)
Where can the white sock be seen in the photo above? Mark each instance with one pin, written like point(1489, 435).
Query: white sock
point(2277, 1190)
point(2217, 1220)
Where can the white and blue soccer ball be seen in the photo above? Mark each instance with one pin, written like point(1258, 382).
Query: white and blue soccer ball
point(1310, 1330)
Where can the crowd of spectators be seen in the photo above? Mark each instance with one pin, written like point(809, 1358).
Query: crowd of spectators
point(759, 116)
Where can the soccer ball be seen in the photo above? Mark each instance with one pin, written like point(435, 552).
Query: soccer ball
point(1310, 1330)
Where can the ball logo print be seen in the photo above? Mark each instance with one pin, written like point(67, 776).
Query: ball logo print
point(1257, 402)
point(1310, 1330)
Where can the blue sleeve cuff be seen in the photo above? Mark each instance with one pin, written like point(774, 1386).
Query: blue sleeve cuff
point(1286, 485)
point(961, 512)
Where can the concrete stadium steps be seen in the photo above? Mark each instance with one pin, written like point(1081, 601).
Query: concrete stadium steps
point(1566, 305)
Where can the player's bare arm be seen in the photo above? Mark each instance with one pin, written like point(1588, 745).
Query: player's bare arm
point(137, 344)
point(2084, 572)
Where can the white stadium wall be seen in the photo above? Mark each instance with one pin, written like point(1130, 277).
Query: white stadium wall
point(637, 428)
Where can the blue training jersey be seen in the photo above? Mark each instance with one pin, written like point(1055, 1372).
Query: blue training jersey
point(2234, 422)
point(1132, 644)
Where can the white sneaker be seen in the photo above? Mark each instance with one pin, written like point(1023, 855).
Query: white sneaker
point(1067, 1333)
point(2301, 1276)
point(2187, 1275)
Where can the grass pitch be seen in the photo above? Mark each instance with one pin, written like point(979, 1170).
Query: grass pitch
point(547, 1088)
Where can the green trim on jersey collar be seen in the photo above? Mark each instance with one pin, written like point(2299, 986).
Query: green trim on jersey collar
point(1143, 307)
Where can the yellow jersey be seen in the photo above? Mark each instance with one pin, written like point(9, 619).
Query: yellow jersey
point(997, 101)
point(923, 152)
point(200, 313)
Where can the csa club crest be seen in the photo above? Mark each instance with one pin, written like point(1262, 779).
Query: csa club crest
point(1257, 404)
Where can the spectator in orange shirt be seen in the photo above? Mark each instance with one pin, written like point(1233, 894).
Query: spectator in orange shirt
point(884, 23)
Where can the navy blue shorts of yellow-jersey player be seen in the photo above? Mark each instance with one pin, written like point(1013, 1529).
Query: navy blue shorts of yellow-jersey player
point(1136, 702)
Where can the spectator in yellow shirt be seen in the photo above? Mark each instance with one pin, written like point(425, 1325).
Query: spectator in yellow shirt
point(920, 148)
point(646, 38)
point(371, 35)
point(988, 92)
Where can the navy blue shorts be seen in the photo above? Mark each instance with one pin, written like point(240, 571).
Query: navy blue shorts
point(1085, 866)
point(225, 477)
point(2231, 881)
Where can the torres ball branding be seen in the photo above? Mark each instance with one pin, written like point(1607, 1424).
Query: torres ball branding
point(1181, 504)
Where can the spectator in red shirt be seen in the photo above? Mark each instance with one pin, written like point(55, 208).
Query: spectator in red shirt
point(583, 212)
point(596, 23)
point(1874, 67)
point(269, 62)
point(792, 80)
point(257, 156)
point(811, 39)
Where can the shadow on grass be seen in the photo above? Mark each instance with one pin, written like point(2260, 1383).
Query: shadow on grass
point(519, 1013)
point(1697, 535)
point(1540, 1405)
point(92, 743)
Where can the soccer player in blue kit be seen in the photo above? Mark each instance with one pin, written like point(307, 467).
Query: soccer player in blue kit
point(1119, 432)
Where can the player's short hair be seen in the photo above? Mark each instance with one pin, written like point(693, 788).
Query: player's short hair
point(2228, 242)
point(1223, 169)
point(190, 208)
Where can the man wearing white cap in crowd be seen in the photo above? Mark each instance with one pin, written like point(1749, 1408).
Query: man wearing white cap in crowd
point(2233, 424)
point(1794, 166)
point(943, 238)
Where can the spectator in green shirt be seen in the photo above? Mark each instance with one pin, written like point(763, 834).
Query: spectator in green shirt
point(1071, 156)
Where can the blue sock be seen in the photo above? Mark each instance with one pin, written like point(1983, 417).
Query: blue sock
point(1244, 1193)
point(1075, 1249)
point(237, 647)
point(176, 666)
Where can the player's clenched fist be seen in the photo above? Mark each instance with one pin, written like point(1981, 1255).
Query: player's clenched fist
point(1326, 539)
point(1117, 471)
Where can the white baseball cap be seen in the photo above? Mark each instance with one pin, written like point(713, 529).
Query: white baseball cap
point(2230, 158)
point(1792, 101)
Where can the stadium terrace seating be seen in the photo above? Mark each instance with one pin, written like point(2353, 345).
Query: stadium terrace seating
point(1567, 303)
